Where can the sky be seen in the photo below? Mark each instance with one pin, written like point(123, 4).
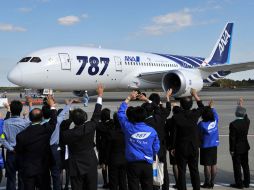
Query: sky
point(181, 27)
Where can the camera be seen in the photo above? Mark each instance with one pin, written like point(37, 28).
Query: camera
point(139, 92)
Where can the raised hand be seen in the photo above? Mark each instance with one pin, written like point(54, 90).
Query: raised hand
point(50, 101)
point(193, 92)
point(100, 90)
point(29, 101)
point(169, 94)
point(7, 106)
point(240, 101)
point(211, 103)
point(25, 112)
point(143, 98)
point(69, 101)
point(133, 95)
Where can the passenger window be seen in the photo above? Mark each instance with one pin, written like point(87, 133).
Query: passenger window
point(35, 60)
point(25, 59)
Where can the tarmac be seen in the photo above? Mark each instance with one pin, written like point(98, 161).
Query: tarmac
point(225, 104)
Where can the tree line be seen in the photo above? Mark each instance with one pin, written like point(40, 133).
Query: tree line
point(229, 83)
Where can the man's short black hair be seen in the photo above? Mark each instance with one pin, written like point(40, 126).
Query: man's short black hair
point(149, 108)
point(35, 115)
point(207, 114)
point(116, 121)
point(130, 113)
point(186, 103)
point(105, 114)
point(16, 107)
point(46, 111)
point(140, 114)
point(78, 116)
point(154, 97)
point(176, 110)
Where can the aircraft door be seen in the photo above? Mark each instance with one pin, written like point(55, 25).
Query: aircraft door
point(65, 61)
point(118, 64)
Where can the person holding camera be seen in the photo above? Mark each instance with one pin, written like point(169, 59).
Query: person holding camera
point(142, 145)
point(156, 118)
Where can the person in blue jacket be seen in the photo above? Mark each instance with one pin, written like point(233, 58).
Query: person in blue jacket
point(209, 142)
point(142, 145)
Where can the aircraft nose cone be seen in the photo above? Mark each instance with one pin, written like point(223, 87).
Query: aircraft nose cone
point(15, 76)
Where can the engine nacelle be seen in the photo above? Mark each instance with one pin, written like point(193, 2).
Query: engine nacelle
point(182, 81)
point(80, 93)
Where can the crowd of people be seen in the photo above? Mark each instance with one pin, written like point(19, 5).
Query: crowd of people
point(41, 143)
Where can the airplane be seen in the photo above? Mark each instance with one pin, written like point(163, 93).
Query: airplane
point(82, 68)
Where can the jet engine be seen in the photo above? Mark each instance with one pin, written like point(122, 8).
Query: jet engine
point(182, 81)
point(80, 93)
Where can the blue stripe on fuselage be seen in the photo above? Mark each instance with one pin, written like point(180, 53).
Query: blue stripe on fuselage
point(198, 59)
point(206, 81)
point(187, 60)
point(182, 60)
point(217, 76)
point(211, 78)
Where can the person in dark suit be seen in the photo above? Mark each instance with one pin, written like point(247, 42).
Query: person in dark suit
point(33, 148)
point(169, 141)
point(102, 130)
point(239, 146)
point(141, 144)
point(115, 157)
point(65, 125)
point(80, 140)
point(186, 140)
point(156, 118)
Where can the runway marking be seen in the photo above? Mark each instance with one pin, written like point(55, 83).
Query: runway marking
point(188, 185)
point(251, 135)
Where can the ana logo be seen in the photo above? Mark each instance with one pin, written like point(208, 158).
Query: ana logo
point(211, 126)
point(223, 41)
point(132, 58)
point(141, 135)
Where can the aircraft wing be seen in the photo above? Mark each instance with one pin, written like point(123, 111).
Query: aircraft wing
point(154, 77)
point(233, 68)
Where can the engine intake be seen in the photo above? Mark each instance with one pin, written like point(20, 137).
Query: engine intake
point(181, 82)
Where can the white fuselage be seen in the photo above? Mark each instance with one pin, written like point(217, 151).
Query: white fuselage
point(79, 68)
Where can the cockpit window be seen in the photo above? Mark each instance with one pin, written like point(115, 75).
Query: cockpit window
point(35, 60)
point(25, 59)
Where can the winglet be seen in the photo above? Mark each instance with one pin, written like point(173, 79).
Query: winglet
point(221, 51)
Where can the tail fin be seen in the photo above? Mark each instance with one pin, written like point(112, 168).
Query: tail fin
point(221, 51)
